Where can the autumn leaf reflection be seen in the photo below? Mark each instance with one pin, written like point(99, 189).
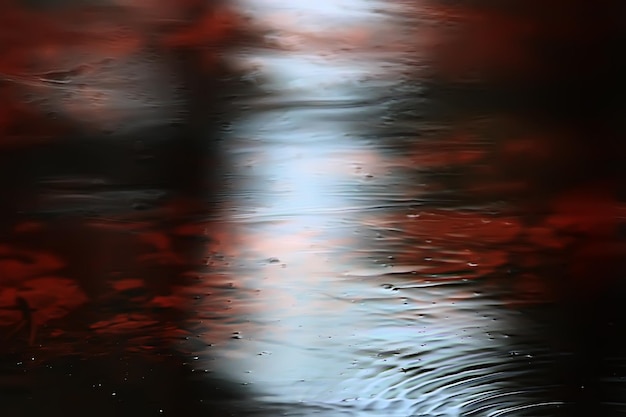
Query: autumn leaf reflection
point(77, 67)
point(30, 293)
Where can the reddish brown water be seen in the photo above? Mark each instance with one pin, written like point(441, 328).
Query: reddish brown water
point(335, 208)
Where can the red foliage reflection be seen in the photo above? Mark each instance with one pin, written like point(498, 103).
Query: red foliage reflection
point(53, 60)
point(31, 294)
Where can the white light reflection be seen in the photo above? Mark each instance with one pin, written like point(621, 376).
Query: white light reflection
point(302, 168)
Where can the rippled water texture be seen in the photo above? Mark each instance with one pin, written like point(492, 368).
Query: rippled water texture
point(334, 208)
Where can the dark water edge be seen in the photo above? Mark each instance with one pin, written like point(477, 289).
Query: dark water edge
point(341, 220)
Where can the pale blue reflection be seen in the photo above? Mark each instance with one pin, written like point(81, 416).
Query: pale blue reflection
point(304, 169)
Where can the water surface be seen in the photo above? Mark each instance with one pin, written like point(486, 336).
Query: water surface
point(343, 208)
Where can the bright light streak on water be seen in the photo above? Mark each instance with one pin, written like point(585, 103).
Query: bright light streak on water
point(300, 180)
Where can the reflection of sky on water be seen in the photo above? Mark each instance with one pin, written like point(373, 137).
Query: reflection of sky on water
point(302, 169)
point(302, 126)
